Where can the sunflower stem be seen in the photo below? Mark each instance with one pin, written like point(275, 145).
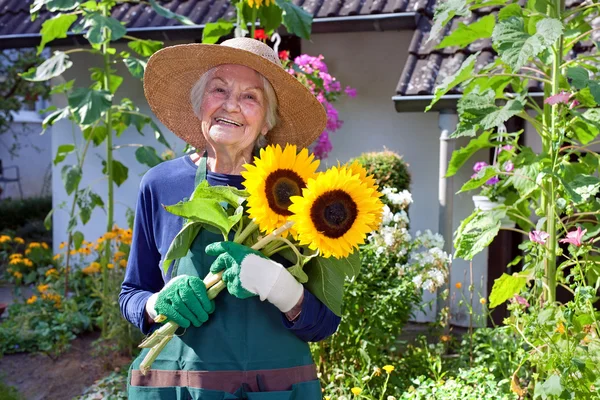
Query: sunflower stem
point(247, 231)
point(273, 235)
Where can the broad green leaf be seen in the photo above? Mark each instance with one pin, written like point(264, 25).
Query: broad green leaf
point(477, 232)
point(503, 114)
point(516, 47)
point(587, 125)
point(61, 5)
point(460, 156)
point(444, 12)
point(511, 10)
point(63, 87)
point(496, 83)
point(52, 67)
point(207, 211)
point(464, 73)
point(579, 77)
point(135, 66)
point(147, 155)
point(181, 243)
point(97, 134)
point(585, 186)
point(95, 200)
point(48, 220)
point(55, 28)
point(296, 19)
point(326, 278)
point(165, 12)
point(145, 48)
point(524, 179)
point(55, 116)
point(479, 179)
point(120, 171)
point(467, 34)
point(88, 105)
point(213, 31)
point(595, 90)
point(228, 194)
point(114, 81)
point(63, 151)
point(552, 386)
point(135, 119)
point(505, 288)
point(158, 133)
point(101, 28)
point(71, 176)
point(77, 239)
point(271, 17)
point(37, 5)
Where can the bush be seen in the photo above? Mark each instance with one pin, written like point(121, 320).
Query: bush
point(18, 213)
point(388, 168)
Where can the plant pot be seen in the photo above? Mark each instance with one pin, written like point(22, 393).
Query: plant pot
point(485, 204)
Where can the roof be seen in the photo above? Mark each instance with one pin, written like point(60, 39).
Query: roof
point(17, 29)
point(426, 67)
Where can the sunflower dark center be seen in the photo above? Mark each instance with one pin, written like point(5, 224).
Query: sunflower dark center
point(280, 186)
point(333, 213)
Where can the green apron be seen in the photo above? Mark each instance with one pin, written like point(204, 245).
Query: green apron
point(243, 351)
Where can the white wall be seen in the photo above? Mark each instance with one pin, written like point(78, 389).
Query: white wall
point(32, 156)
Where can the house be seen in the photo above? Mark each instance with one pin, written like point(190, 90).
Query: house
point(378, 47)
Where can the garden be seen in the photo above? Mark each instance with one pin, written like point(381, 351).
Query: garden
point(63, 335)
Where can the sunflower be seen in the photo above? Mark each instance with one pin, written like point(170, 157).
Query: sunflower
point(370, 182)
point(275, 176)
point(336, 211)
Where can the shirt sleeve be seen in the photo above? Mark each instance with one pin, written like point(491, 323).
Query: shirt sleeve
point(315, 322)
point(142, 276)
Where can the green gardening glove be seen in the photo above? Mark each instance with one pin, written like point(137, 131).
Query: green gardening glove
point(183, 300)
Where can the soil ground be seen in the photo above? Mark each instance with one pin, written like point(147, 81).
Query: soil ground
point(37, 376)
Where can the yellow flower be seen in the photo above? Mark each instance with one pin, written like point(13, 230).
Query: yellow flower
point(369, 181)
point(458, 285)
point(17, 274)
point(560, 328)
point(53, 297)
point(275, 176)
point(51, 271)
point(57, 256)
point(15, 256)
point(34, 245)
point(110, 266)
point(123, 263)
point(483, 301)
point(377, 371)
point(259, 3)
point(327, 398)
point(119, 254)
point(445, 338)
point(73, 252)
point(356, 391)
point(44, 246)
point(110, 235)
point(19, 240)
point(43, 288)
point(388, 368)
point(91, 269)
point(62, 245)
point(15, 261)
point(335, 212)
point(27, 262)
point(4, 238)
point(32, 299)
point(27, 252)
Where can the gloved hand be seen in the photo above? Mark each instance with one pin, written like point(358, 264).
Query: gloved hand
point(183, 300)
point(249, 273)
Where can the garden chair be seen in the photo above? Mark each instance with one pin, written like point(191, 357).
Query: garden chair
point(15, 178)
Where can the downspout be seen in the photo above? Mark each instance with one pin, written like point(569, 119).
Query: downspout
point(447, 123)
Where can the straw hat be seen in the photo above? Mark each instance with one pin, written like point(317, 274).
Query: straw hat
point(172, 72)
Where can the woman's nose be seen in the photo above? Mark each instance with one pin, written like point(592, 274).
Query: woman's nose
point(231, 103)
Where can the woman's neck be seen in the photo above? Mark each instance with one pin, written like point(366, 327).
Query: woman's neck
point(224, 163)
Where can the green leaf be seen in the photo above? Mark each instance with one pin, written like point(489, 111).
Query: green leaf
point(165, 12)
point(101, 29)
point(270, 17)
point(71, 176)
point(181, 243)
point(511, 10)
point(516, 47)
point(228, 194)
point(147, 155)
point(97, 133)
point(51, 68)
point(48, 220)
point(467, 34)
point(213, 31)
point(135, 66)
point(477, 232)
point(63, 151)
point(63, 87)
point(114, 81)
point(479, 179)
point(579, 77)
point(55, 28)
point(326, 278)
point(296, 20)
point(444, 12)
point(524, 179)
point(205, 210)
point(145, 48)
point(61, 5)
point(586, 127)
point(158, 133)
point(460, 157)
point(595, 90)
point(552, 386)
point(77, 239)
point(120, 172)
point(585, 186)
point(464, 73)
point(55, 116)
point(505, 288)
point(88, 105)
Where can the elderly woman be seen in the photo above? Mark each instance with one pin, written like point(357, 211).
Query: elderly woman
point(226, 101)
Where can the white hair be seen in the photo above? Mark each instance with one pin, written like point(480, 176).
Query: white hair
point(197, 94)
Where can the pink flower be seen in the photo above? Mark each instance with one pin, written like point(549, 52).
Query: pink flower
point(493, 180)
point(574, 104)
point(574, 237)
point(284, 55)
point(562, 97)
point(520, 300)
point(323, 146)
point(507, 147)
point(509, 166)
point(351, 92)
point(538, 236)
point(479, 166)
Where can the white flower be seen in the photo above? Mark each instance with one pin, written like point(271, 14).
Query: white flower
point(418, 280)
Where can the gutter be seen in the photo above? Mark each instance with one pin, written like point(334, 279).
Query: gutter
point(352, 23)
point(418, 103)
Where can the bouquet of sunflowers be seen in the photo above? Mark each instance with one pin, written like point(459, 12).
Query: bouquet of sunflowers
point(315, 220)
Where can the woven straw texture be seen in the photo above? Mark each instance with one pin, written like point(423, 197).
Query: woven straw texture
point(172, 72)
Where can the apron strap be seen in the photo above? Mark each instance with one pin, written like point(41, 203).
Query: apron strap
point(201, 171)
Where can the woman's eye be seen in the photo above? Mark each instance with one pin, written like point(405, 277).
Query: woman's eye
point(250, 97)
point(219, 90)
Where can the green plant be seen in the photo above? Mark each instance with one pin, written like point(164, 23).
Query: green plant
point(557, 187)
point(24, 264)
point(112, 386)
point(17, 213)
point(9, 392)
point(388, 169)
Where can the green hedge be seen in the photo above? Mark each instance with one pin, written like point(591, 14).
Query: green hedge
point(388, 168)
point(14, 214)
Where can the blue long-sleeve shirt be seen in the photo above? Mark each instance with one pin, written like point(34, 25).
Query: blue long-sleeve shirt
point(154, 230)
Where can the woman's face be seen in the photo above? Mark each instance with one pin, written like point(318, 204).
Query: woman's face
point(233, 108)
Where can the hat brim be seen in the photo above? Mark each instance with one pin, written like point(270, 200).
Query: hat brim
point(172, 72)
